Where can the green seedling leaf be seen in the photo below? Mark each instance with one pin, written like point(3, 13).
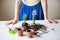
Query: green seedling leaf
point(25, 18)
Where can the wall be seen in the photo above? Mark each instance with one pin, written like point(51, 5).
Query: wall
point(7, 9)
point(54, 9)
point(59, 6)
point(0, 6)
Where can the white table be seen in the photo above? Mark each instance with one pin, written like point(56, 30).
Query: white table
point(52, 35)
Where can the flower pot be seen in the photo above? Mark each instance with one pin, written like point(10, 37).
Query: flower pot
point(30, 33)
point(19, 31)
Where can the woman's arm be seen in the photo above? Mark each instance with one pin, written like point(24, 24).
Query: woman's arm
point(45, 11)
point(17, 7)
point(45, 8)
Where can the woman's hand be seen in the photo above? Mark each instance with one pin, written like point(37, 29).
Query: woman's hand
point(12, 22)
point(51, 21)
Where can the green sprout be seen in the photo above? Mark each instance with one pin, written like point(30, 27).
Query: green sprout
point(34, 13)
point(25, 17)
point(33, 19)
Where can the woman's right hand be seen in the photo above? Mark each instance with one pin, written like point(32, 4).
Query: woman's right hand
point(12, 22)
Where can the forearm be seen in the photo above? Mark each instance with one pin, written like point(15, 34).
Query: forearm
point(17, 7)
point(45, 8)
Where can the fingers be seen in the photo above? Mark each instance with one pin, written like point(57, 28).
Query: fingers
point(55, 21)
point(9, 22)
point(52, 21)
point(14, 22)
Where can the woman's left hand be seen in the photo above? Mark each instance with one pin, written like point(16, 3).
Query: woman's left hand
point(51, 21)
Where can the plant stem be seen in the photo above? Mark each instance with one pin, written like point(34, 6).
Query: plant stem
point(25, 17)
point(33, 19)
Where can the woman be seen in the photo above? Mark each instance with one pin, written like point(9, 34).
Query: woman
point(27, 6)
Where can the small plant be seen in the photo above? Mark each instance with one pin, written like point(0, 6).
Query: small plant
point(24, 24)
point(34, 13)
point(24, 17)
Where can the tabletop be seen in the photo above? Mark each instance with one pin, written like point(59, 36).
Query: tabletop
point(51, 35)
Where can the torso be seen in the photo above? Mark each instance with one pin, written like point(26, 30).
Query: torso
point(30, 2)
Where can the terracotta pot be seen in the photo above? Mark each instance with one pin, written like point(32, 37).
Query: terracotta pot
point(30, 33)
point(19, 31)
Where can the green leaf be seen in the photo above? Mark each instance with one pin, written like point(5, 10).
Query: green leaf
point(33, 19)
point(25, 17)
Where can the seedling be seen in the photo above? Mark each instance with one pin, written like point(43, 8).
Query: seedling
point(24, 17)
point(34, 13)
